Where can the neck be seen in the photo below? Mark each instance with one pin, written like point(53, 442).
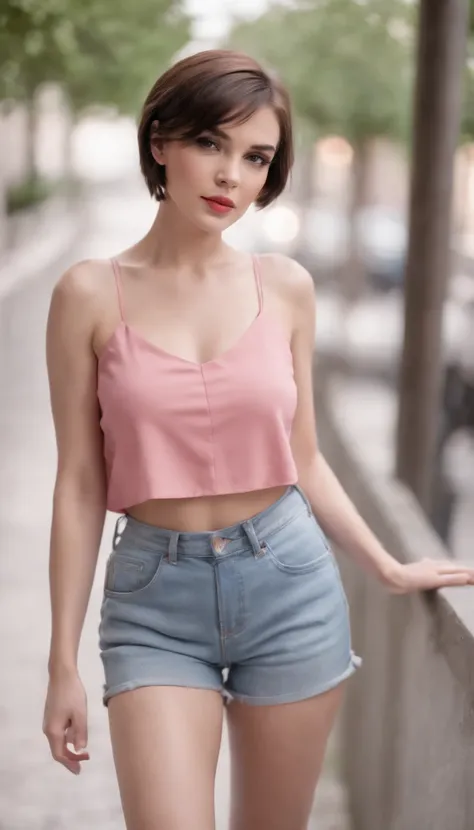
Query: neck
point(175, 242)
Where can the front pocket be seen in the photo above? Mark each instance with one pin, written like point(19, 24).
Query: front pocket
point(298, 548)
point(129, 573)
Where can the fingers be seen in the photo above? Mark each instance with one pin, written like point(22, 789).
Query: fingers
point(453, 568)
point(77, 734)
point(61, 753)
point(456, 575)
point(60, 743)
point(450, 564)
point(468, 572)
point(448, 568)
point(431, 574)
point(454, 579)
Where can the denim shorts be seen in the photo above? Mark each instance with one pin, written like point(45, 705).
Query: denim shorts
point(256, 611)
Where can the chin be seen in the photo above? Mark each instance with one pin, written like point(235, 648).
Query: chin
point(215, 224)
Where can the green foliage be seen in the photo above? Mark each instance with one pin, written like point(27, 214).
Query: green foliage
point(33, 45)
point(101, 51)
point(122, 48)
point(29, 193)
point(467, 126)
point(347, 62)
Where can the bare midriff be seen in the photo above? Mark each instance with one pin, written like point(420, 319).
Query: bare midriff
point(206, 513)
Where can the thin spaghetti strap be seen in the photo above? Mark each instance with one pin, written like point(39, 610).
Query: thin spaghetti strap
point(258, 282)
point(118, 284)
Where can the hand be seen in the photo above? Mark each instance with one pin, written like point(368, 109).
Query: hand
point(65, 720)
point(428, 574)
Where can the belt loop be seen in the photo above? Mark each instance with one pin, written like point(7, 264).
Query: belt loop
point(305, 499)
point(173, 548)
point(118, 530)
point(252, 537)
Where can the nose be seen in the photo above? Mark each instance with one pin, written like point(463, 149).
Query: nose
point(229, 172)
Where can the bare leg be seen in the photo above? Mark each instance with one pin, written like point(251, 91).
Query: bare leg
point(277, 754)
point(166, 744)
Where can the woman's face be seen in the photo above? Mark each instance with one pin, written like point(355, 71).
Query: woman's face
point(229, 164)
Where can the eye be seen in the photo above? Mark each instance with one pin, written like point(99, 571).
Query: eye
point(260, 161)
point(206, 142)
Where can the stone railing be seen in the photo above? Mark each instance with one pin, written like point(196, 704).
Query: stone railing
point(408, 722)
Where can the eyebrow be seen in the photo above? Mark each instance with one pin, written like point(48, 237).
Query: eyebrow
point(269, 148)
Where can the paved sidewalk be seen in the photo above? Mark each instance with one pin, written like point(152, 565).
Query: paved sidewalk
point(35, 793)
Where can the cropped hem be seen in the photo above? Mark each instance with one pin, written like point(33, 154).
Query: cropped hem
point(295, 697)
point(131, 685)
point(114, 507)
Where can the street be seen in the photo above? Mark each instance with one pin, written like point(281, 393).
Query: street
point(36, 793)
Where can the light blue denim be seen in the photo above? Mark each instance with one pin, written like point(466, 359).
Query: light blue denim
point(256, 611)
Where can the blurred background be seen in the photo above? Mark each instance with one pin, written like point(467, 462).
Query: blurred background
point(380, 210)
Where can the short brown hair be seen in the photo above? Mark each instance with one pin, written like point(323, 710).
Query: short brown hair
point(203, 91)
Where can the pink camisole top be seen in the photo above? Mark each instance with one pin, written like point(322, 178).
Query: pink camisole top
point(173, 428)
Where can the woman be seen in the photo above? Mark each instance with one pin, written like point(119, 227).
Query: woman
point(180, 377)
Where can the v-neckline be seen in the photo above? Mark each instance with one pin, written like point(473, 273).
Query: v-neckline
point(133, 333)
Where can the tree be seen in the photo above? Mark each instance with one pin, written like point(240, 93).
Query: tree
point(441, 63)
point(467, 127)
point(34, 40)
point(121, 49)
point(99, 51)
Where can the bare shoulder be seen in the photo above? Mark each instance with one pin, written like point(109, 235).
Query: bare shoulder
point(84, 281)
point(288, 278)
point(80, 294)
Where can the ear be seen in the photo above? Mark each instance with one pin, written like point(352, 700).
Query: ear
point(157, 143)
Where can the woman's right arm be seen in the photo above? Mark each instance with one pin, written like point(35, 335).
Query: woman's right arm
point(79, 504)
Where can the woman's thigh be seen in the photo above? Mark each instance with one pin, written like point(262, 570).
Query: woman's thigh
point(166, 744)
point(276, 758)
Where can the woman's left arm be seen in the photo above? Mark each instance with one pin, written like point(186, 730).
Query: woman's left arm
point(333, 509)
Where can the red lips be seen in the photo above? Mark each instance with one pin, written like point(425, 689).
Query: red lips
point(220, 200)
point(219, 204)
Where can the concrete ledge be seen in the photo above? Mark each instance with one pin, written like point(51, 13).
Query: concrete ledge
point(408, 724)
